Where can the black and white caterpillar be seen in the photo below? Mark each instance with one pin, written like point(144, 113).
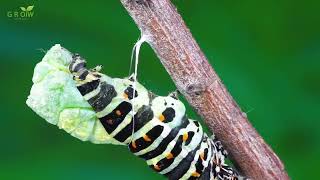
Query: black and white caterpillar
point(155, 128)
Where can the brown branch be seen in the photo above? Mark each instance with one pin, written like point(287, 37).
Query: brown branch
point(197, 81)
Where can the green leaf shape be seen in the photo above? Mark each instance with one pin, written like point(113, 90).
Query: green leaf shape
point(55, 97)
point(29, 8)
point(23, 8)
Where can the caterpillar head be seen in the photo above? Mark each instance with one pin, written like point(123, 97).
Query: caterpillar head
point(77, 64)
point(79, 71)
point(168, 109)
point(54, 97)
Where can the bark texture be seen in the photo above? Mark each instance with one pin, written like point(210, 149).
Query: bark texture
point(195, 78)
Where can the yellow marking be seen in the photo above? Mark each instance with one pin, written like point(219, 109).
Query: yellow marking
point(118, 112)
point(185, 137)
point(156, 167)
point(134, 144)
point(146, 138)
point(125, 95)
point(195, 174)
point(202, 156)
point(90, 77)
point(170, 156)
point(161, 117)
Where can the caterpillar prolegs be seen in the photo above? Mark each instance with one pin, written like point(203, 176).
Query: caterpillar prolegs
point(155, 128)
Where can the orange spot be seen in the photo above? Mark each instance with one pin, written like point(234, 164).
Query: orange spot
point(195, 174)
point(161, 117)
point(202, 156)
point(110, 121)
point(146, 138)
point(125, 95)
point(118, 112)
point(156, 167)
point(133, 143)
point(185, 136)
point(170, 156)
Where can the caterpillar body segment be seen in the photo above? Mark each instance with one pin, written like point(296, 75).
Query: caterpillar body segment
point(155, 128)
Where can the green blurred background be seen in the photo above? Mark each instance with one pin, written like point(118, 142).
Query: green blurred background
point(266, 52)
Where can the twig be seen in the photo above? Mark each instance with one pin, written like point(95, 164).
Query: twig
point(197, 81)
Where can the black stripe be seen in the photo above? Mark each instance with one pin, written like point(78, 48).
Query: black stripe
point(178, 146)
point(103, 98)
point(84, 74)
point(79, 66)
point(88, 87)
point(142, 117)
point(190, 136)
point(169, 114)
point(199, 169)
point(205, 153)
point(206, 173)
point(162, 164)
point(164, 143)
point(122, 135)
point(153, 134)
point(199, 166)
point(129, 92)
point(197, 124)
point(183, 166)
point(111, 121)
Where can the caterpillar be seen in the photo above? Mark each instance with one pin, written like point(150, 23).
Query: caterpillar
point(155, 128)
point(65, 93)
